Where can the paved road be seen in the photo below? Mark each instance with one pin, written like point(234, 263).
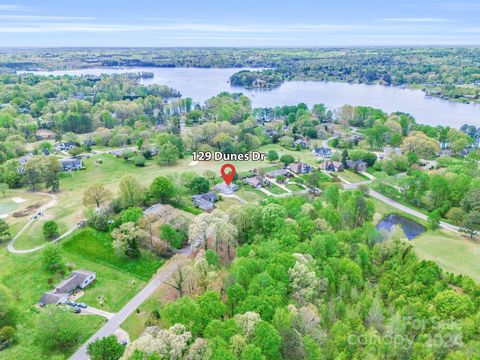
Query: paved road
point(401, 207)
point(117, 319)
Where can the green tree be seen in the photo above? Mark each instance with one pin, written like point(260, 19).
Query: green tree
point(4, 231)
point(126, 239)
point(57, 329)
point(434, 220)
point(131, 192)
point(267, 339)
point(471, 223)
point(199, 185)
point(272, 156)
point(52, 258)
point(50, 230)
point(162, 189)
point(172, 236)
point(167, 154)
point(96, 195)
point(107, 348)
point(287, 159)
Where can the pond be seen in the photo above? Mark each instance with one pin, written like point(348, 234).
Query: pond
point(201, 84)
point(411, 228)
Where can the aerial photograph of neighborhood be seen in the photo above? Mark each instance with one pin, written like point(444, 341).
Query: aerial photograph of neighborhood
point(254, 180)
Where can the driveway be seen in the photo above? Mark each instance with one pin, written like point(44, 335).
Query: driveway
point(117, 319)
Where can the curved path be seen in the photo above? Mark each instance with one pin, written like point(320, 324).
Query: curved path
point(31, 220)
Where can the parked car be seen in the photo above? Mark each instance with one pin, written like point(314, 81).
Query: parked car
point(71, 303)
point(82, 305)
point(77, 310)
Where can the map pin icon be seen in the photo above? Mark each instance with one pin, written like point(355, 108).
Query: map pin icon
point(228, 177)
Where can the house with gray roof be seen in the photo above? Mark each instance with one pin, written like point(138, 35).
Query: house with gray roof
point(79, 279)
point(205, 201)
point(226, 189)
point(71, 164)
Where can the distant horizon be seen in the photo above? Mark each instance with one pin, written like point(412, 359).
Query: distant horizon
point(249, 24)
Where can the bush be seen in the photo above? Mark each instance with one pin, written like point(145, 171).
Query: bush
point(50, 230)
point(139, 160)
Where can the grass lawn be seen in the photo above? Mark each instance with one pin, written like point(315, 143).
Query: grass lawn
point(33, 236)
point(226, 202)
point(454, 253)
point(135, 324)
point(26, 278)
point(352, 176)
point(294, 187)
point(302, 155)
point(97, 246)
point(250, 194)
point(274, 189)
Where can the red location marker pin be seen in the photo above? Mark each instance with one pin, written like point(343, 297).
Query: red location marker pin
point(228, 177)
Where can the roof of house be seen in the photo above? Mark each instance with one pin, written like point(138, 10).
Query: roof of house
point(76, 278)
point(204, 204)
point(226, 189)
point(51, 297)
point(210, 196)
point(298, 167)
point(255, 180)
point(278, 172)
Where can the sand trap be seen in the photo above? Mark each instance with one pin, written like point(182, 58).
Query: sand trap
point(18, 200)
point(193, 163)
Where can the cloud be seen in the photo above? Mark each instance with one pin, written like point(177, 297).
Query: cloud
point(42, 17)
point(12, 7)
point(417, 20)
point(462, 6)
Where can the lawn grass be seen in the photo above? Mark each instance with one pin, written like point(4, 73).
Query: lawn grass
point(97, 246)
point(352, 176)
point(452, 252)
point(250, 194)
point(294, 187)
point(25, 276)
point(33, 235)
point(274, 189)
point(135, 324)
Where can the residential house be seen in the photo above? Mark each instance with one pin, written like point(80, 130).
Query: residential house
point(300, 168)
point(279, 172)
point(301, 143)
point(257, 181)
point(226, 189)
point(205, 201)
point(79, 279)
point(322, 152)
point(332, 166)
point(22, 161)
point(71, 164)
point(357, 165)
point(66, 146)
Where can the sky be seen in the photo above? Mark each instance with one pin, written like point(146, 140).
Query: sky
point(227, 23)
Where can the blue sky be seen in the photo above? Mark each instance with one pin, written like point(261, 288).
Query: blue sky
point(289, 23)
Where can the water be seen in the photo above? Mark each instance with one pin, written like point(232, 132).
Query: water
point(411, 228)
point(201, 84)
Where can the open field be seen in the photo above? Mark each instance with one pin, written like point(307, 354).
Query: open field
point(452, 252)
point(97, 246)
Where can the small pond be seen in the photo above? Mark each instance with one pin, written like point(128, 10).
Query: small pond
point(410, 228)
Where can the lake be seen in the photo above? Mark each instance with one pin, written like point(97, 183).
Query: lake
point(201, 84)
point(411, 228)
